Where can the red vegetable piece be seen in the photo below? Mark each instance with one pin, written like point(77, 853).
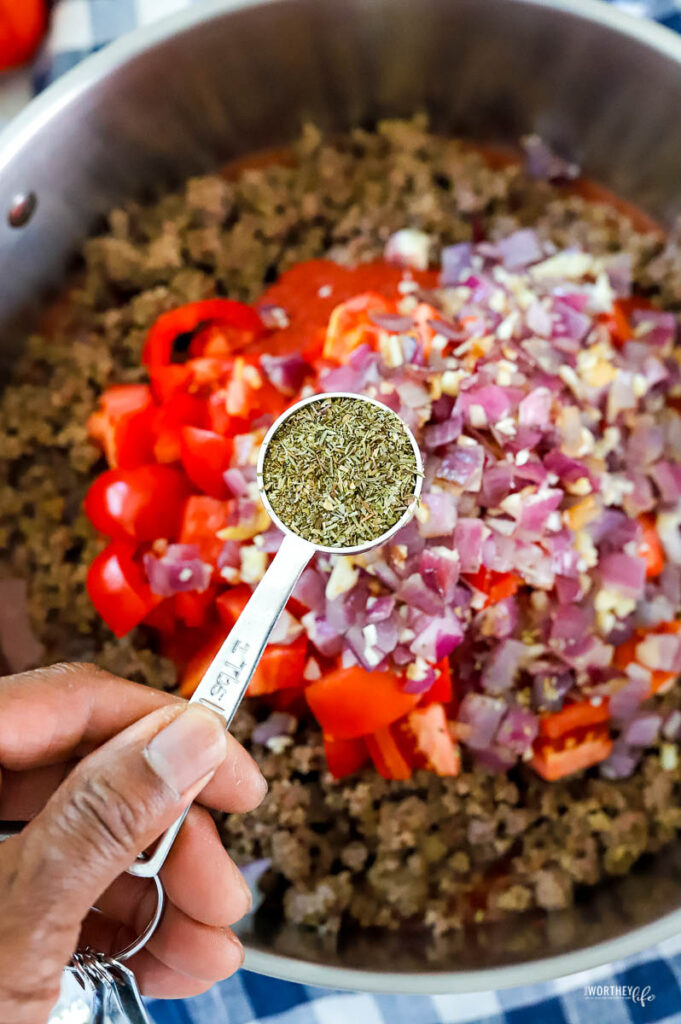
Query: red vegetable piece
point(163, 617)
point(145, 503)
point(205, 456)
point(240, 323)
point(196, 667)
point(555, 760)
point(232, 602)
point(122, 425)
point(22, 26)
point(650, 547)
point(179, 411)
point(496, 586)
point(625, 653)
point(345, 757)
point(580, 715)
point(118, 588)
point(196, 608)
point(386, 754)
point(280, 667)
point(441, 690)
point(351, 702)
point(167, 381)
point(202, 518)
point(350, 325)
point(433, 745)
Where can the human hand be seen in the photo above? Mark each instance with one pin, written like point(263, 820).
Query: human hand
point(102, 767)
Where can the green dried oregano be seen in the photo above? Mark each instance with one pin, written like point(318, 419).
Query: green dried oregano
point(340, 472)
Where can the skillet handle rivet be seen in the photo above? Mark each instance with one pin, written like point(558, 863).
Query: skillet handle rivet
point(21, 209)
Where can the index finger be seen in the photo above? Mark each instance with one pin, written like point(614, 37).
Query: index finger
point(55, 714)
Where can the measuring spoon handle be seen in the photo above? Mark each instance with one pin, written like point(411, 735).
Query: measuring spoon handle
point(228, 675)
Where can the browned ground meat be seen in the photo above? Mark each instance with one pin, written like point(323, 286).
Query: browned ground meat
point(442, 851)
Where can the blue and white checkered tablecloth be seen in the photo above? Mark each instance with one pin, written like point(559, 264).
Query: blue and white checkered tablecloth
point(645, 989)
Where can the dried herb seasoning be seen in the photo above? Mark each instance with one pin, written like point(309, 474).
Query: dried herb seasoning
point(340, 471)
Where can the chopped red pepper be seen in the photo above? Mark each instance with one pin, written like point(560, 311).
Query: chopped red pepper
point(118, 588)
point(556, 759)
point(625, 653)
point(650, 547)
point(179, 411)
point(240, 323)
point(389, 759)
point(431, 743)
point(352, 702)
point(205, 457)
point(351, 325)
point(145, 503)
point(202, 518)
point(441, 690)
point(122, 425)
point(196, 608)
point(496, 586)
point(580, 715)
point(280, 667)
point(345, 757)
point(231, 603)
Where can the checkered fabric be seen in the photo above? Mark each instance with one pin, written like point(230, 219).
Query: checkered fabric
point(641, 990)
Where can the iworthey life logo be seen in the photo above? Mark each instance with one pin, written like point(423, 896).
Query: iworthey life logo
point(639, 994)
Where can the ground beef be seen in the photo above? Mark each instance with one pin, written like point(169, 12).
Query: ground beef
point(438, 851)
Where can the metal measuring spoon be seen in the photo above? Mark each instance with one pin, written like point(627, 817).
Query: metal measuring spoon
point(226, 679)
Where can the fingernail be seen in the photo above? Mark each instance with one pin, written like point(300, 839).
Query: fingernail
point(247, 892)
point(191, 747)
point(238, 944)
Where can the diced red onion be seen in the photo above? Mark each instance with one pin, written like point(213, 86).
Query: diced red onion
point(178, 571)
point(408, 248)
point(310, 589)
point(275, 318)
point(483, 714)
point(442, 433)
point(518, 729)
point(625, 701)
point(625, 573)
point(269, 541)
point(463, 465)
point(440, 568)
point(520, 249)
point(655, 327)
point(286, 630)
point(642, 731)
point(236, 482)
point(286, 373)
point(667, 479)
point(621, 763)
point(539, 320)
point(392, 322)
point(415, 592)
point(422, 684)
point(440, 514)
point(671, 727)
point(279, 723)
point(468, 538)
point(535, 409)
point(439, 638)
point(322, 635)
point(501, 667)
point(455, 261)
point(541, 161)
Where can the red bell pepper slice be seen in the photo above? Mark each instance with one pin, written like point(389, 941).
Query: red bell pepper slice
point(167, 381)
point(196, 667)
point(441, 691)
point(118, 588)
point(650, 547)
point(205, 456)
point(432, 745)
point(387, 755)
point(345, 757)
point(350, 325)
point(580, 715)
point(179, 411)
point(232, 602)
point(196, 608)
point(350, 702)
point(280, 667)
point(163, 617)
point(122, 425)
point(556, 759)
point(241, 325)
point(145, 503)
point(496, 586)
point(625, 654)
point(203, 517)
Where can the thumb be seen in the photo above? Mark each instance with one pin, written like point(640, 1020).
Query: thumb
point(113, 805)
